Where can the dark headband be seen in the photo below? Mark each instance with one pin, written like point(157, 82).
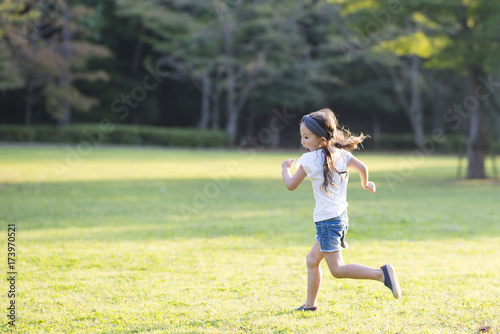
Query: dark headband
point(314, 126)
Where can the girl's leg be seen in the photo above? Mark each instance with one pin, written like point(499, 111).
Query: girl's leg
point(313, 274)
point(339, 269)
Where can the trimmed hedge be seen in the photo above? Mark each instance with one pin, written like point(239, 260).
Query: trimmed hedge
point(108, 133)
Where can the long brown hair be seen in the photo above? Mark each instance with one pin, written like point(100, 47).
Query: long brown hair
point(339, 137)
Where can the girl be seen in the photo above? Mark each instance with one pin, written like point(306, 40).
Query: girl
point(325, 163)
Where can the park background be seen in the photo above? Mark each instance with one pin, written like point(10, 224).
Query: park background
point(141, 144)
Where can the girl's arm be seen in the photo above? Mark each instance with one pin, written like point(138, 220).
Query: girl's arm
point(361, 168)
point(292, 182)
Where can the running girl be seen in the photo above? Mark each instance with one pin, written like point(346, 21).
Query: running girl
point(326, 163)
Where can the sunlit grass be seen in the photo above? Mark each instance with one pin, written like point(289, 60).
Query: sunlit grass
point(111, 246)
point(56, 164)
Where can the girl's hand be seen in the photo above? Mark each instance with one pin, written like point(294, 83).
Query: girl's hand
point(370, 186)
point(292, 182)
point(287, 164)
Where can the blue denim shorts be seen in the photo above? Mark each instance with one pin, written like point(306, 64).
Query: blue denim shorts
point(331, 233)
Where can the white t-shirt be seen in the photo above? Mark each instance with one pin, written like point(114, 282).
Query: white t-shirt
point(334, 204)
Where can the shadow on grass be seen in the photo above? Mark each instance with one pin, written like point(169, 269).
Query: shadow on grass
point(261, 208)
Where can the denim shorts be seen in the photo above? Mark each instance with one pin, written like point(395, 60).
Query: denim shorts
point(330, 233)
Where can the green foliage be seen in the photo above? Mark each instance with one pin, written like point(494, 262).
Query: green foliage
point(240, 48)
point(107, 249)
point(49, 47)
point(449, 34)
point(10, 73)
point(469, 30)
point(118, 134)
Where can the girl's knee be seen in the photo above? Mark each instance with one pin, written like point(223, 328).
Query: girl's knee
point(336, 272)
point(312, 261)
point(337, 269)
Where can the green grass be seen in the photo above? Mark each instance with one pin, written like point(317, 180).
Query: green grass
point(201, 241)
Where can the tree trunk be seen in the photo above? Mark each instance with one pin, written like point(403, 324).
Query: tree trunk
point(136, 60)
point(215, 112)
point(232, 127)
point(231, 108)
point(30, 92)
point(30, 78)
point(476, 148)
point(437, 105)
point(205, 102)
point(227, 27)
point(415, 111)
point(64, 75)
point(65, 119)
point(215, 95)
point(412, 107)
point(476, 143)
point(231, 104)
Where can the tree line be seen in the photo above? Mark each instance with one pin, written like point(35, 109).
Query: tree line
point(395, 66)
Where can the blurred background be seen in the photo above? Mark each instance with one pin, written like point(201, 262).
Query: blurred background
point(416, 75)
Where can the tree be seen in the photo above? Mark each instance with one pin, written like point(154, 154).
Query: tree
point(183, 37)
point(368, 26)
point(51, 48)
point(227, 48)
point(10, 73)
point(462, 36)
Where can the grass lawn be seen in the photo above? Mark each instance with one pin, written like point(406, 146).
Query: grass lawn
point(128, 240)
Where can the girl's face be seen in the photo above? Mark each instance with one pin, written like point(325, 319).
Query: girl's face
point(310, 141)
